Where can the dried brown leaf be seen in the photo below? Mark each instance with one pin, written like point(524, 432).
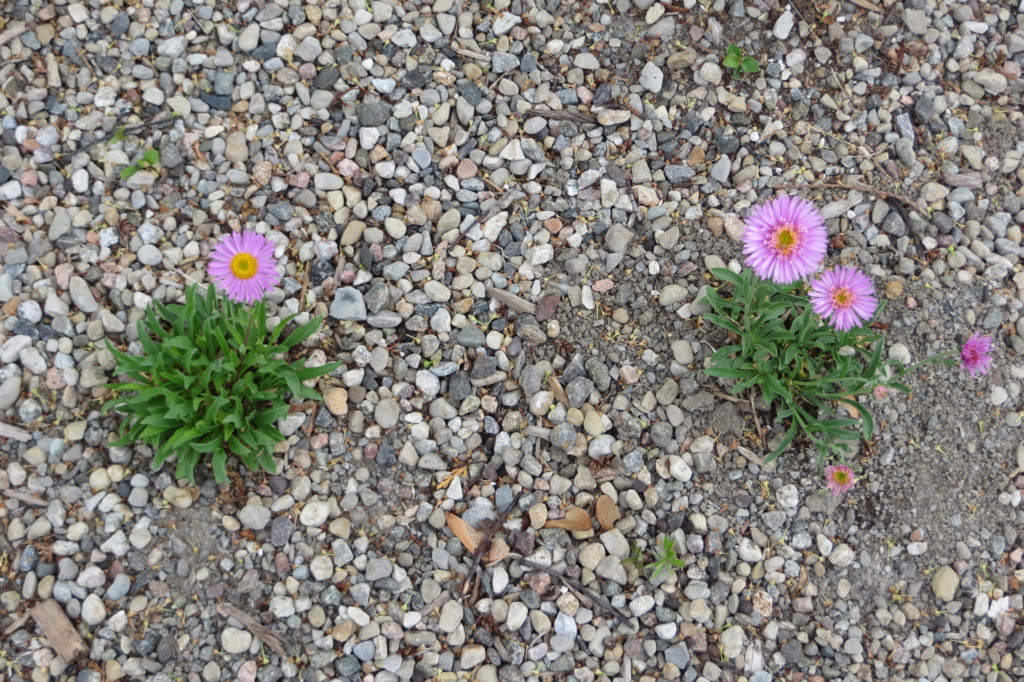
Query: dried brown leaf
point(499, 550)
point(607, 512)
point(575, 519)
point(469, 537)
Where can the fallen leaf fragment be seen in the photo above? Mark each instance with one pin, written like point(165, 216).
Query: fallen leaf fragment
point(499, 550)
point(469, 537)
point(607, 512)
point(575, 519)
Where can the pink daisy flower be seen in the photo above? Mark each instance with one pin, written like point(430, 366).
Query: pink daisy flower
point(785, 239)
point(976, 354)
point(243, 266)
point(844, 296)
point(839, 479)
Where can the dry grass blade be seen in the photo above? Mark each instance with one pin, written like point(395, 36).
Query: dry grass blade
point(607, 512)
point(499, 550)
point(869, 6)
point(469, 537)
point(575, 519)
point(559, 392)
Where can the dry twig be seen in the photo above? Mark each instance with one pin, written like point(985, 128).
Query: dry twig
point(262, 632)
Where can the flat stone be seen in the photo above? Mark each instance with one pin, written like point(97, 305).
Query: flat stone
point(348, 305)
point(945, 582)
point(315, 513)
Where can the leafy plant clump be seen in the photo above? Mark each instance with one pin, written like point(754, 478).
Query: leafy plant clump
point(738, 62)
point(665, 558)
point(781, 348)
point(150, 158)
point(210, 382)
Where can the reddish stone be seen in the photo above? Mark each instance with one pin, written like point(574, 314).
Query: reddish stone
point(603, 285)
point(547, 305)
point(466, 170)
point(553, 225)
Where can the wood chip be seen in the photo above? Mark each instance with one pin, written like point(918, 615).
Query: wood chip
point(607, 512)
point(8, 431)
point(262, 632)
point(968, 180)
point(59, 630)
point(575, 519)
point(511, 300)
point(28, 498)
point(12, 33)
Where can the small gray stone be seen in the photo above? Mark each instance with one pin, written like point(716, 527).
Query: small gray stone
point(348, 305)
point(651, 78)
point(235, 641)
point(254, 516)
point(945, 583)
point(82, 296)
point(315, 513)
point(618, 238)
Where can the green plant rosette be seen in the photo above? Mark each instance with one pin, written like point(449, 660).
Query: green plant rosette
point(211, 382)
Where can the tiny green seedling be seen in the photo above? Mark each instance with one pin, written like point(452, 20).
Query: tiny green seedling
point(665, 558)
point(740, 64)
point(149, 159)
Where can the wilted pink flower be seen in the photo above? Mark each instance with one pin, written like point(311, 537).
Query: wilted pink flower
point(785, 239)
point(243, 266)
point(844, 296)
point(881, 392)
point(838, 479)
point(976, 354)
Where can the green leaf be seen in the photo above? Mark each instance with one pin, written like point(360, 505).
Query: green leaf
point(151, 157)
point(750, 65)
point(727, 275)
point(731, 61)
point(783, 444)
point(728, 372)
point(301, 333)
point(733, 50)
point(220, 473)
point(129, 171)
point(723, 322)
point(118, 135)
point(307, 373)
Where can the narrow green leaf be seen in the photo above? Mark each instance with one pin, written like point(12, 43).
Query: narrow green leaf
point(783, 444)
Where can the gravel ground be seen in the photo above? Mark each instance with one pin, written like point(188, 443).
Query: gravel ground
point(507, 212)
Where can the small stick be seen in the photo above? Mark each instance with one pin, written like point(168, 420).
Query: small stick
point(857, 186)
point(131, 129)
point(263, 633)
point(517, 303)
point(577, 587)
point(757, 421)
point(30, 500)
point(479, 219)
point(485, 546)
point(305, 283)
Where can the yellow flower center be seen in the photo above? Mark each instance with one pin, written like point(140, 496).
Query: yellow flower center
point(842, 298)
point(243, 266)
point(840, 476)
point(786, 240)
